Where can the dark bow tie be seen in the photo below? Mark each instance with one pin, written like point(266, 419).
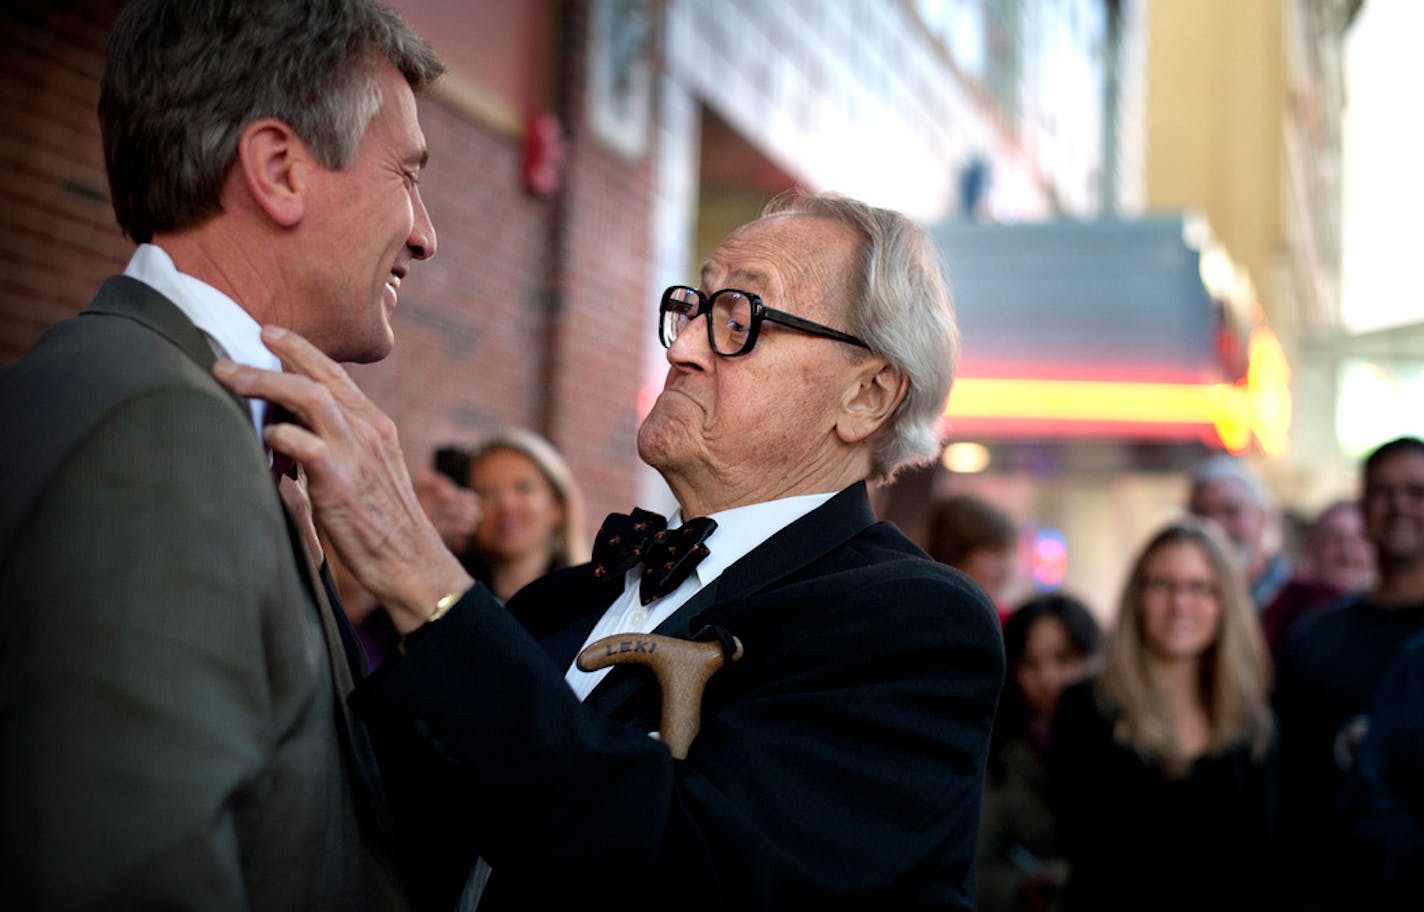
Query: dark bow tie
point(667, 555)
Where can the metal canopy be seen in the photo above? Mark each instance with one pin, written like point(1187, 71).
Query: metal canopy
point(1112, 299)
point(1107, 331)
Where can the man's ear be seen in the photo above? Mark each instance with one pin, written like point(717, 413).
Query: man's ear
point(877, 390)
point(274, 166)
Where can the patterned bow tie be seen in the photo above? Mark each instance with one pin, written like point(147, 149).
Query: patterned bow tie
point(667, 555)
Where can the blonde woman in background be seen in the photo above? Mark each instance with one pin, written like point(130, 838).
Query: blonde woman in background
point(531, 512)
point(510, 510)
point(1161, 766)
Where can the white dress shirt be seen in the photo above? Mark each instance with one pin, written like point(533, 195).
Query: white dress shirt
point(738, 531)
point(230, 330)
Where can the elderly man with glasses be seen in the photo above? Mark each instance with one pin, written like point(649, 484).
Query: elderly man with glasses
point(840, 757)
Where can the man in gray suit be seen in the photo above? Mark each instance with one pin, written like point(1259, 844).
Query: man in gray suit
point(173, 727)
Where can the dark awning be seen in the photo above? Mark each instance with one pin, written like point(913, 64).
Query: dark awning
point(1102, 329)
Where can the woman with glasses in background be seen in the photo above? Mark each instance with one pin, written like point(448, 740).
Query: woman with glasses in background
point(1161, 766)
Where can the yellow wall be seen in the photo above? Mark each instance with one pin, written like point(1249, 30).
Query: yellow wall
point(1216, 101)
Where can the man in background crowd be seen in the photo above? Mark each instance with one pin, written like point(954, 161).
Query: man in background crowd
point(1337, 560)
point(1225, 490)
point(1327, 674)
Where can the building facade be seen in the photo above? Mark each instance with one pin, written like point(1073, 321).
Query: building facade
point(1244, 126)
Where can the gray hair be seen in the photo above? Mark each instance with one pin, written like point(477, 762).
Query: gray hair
point(184, 78)
point(1225, 466)
point(901, 306)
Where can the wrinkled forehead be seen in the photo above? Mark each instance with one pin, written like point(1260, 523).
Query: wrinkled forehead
point(794, 262)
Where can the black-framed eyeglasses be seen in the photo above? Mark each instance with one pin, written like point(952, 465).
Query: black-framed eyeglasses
point(734, 319)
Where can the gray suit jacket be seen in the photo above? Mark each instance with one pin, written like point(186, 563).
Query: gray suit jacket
point(173, 729)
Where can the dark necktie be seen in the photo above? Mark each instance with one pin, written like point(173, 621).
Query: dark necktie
point(282, 464)
point(667, 555)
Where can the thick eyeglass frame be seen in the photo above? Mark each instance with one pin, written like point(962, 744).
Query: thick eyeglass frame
point(760, 312)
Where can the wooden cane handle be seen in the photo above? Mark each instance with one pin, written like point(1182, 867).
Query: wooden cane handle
point(682, 668)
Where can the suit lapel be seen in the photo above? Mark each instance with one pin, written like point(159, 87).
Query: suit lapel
point(807, 539)
point(353, 733)
point(561, 609)
point(563, 647)
point(121, 296)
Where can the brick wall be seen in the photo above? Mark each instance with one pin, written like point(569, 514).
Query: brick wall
point(470, 328)
point(58, 239)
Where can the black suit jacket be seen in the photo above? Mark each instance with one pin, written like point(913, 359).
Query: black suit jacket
point(839, 764)
point(173, 732)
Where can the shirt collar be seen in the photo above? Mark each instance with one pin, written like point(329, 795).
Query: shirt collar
point(230, 329)
point(741, 529)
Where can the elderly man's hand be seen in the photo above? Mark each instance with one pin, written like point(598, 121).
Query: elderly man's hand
point(356, 477)
point(454, 510)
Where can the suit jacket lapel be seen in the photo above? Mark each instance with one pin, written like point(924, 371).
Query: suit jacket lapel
point(822, 530)
point(807, 539)
point(561, 609)
point(121, 296)
point(353, 732)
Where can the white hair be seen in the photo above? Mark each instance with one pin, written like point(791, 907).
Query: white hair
point(901, 307)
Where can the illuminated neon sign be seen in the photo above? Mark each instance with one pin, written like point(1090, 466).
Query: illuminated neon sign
point(1228, 415)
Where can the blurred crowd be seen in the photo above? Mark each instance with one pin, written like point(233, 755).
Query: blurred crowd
point(1247, 733)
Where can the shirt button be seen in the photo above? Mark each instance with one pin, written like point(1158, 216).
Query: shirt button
point(636, 617)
